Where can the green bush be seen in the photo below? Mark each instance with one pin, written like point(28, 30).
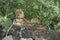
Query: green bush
point(48, 11)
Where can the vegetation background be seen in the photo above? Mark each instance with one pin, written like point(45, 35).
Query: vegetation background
point(48, 11)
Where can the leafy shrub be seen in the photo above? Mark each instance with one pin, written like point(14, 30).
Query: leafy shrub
point(48, 11)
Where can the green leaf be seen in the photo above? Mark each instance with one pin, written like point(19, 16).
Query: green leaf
point(7, 23)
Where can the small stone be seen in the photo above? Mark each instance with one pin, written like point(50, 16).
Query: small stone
point(8, 38)
point(26, 39)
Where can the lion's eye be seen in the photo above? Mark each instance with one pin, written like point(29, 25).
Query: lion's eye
point(20, 12)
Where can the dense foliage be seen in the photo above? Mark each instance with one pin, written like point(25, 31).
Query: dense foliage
point(48, 11)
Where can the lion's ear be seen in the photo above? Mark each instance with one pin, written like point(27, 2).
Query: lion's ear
point(15, 9)
point(24, 10)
